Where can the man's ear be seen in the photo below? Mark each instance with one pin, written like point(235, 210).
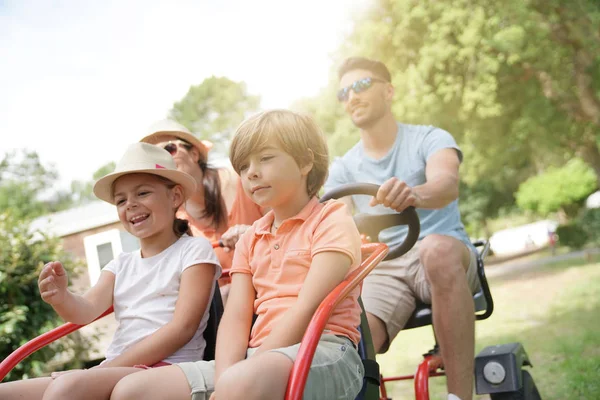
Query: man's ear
point(305, 169)
point(389, 92)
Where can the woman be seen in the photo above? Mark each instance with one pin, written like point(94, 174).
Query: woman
point(219, 209)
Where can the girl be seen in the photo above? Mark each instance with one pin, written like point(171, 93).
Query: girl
point(218, 209)
point(160, 293)
point(284, 266)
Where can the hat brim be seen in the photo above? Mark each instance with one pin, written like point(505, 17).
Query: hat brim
point(103, 188)
point(154, 138)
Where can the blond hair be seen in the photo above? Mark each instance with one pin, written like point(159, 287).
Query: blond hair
point(295, 133)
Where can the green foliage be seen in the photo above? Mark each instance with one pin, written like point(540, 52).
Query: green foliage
point(558, 188)
point(22, 179)
point(214, 108)
point(82, 191)
point(516, 83)
point(571, 235)
point(481, 202)
point(23, 314)
point(589, 221)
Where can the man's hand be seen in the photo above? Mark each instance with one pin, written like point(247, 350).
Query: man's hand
point(396, 194)
point(53, 283)
point(232, 235)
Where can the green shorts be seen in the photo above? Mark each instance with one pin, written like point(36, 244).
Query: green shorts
point(336, 371)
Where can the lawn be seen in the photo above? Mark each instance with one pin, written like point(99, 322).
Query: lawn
point(553, 310)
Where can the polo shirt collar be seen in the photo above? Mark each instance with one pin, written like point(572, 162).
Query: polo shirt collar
point(264, 224)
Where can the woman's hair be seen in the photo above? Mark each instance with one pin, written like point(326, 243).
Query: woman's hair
point(297, 134)
point(214, 205)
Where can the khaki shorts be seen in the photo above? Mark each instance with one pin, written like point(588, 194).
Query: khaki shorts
point(336, 372)
point(390, 291)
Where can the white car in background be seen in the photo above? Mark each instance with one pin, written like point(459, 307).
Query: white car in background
point(523, 238)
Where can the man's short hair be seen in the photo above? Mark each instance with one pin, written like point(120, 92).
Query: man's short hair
point(376, 67)
point(297, 134)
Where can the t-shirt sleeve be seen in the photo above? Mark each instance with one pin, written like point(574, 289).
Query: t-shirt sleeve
point(241, 258)
point(438, 139)
point(337, 175)
point(198, 250)
point(112, 266)
point(337, 232)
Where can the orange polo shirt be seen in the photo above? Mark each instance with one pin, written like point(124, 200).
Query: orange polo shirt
point(280, 262)
point(243, 212)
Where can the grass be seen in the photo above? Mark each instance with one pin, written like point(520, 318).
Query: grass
point(553, 310)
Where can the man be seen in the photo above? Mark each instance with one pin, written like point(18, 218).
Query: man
point(415, 166)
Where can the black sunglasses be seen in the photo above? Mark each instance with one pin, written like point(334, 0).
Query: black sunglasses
point(359, 86)
point(172, 147)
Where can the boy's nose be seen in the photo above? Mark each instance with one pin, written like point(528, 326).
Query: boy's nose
point(252, 171)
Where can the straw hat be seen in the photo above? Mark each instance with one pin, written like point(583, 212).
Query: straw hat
point(144, 158)
point(168, 127)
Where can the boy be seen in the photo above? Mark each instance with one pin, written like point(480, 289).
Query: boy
point(283, 267)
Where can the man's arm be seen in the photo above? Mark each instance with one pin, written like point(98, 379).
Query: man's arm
point(439, 190)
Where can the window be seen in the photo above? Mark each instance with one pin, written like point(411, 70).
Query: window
point(102, 247)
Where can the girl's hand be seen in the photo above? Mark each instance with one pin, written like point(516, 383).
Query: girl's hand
point(232, 235)
point(53, 283)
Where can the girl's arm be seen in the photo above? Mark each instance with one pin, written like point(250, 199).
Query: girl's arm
point(327, 270)
point(79, 309)
point(234, 329)
point(194, 293)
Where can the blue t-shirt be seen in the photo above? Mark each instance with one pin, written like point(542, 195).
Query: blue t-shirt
point(406, 161)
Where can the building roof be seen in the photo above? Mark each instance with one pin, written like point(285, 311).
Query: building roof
point(78, 219)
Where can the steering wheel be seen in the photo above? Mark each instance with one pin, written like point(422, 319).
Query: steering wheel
point(372, 224)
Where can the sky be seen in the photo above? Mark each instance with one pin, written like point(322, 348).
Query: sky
point(82, 79)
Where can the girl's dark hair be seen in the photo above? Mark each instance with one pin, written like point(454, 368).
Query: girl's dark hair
point(181, 227)
point(214, 205)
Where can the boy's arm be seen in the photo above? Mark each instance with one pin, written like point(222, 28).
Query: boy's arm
point(327, 270)
point(78, 309)
point(194, 293)
point(234, 329)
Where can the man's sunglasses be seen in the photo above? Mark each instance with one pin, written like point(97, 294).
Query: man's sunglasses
point(172, 147)
point(359, 86)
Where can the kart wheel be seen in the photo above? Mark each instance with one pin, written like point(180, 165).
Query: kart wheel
point(527, 392)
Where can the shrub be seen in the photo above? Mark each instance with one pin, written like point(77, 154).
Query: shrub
point(590, 223)
point(572, 235)
point(23, 313)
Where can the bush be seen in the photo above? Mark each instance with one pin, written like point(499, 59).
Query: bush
point(23, 314)
point(590, 223)
point(572, 235)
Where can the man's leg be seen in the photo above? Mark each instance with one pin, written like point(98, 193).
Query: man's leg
point(388, 299)
point(445, 261)
point(378, 332)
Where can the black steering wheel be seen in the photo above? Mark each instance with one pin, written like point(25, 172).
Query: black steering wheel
point(372, 224)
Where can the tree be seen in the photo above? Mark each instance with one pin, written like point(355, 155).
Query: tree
point(516, 82)
point(561, 189)
point(23, 314)
point(214, 108)
point(82, 191)
point(22, 180)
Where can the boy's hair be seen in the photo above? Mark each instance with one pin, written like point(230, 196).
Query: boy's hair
point(296, 134)
point(376, 67)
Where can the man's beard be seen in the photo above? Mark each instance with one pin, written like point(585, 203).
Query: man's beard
point(369, 120)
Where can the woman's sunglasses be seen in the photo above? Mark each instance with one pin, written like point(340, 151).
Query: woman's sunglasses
point(359, 86)
point(172, 147)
